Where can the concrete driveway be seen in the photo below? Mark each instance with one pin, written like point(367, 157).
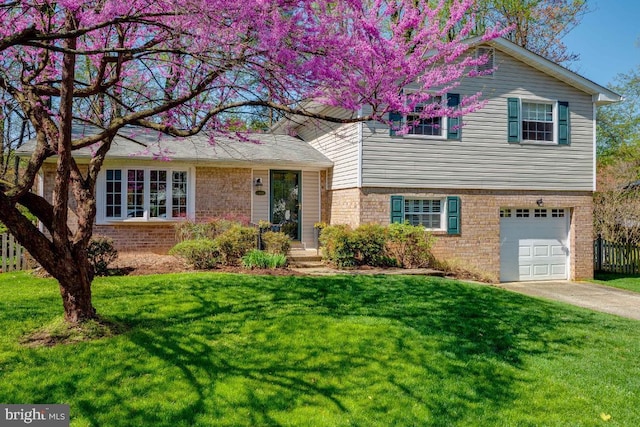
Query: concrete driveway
point(589, 295)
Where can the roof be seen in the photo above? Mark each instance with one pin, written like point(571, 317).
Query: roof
point(255, 148)
point(601, 95)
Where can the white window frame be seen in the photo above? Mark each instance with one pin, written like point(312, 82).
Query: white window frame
point(101, 191)
point(554, 107)
point(443, 211)
point(443, 125)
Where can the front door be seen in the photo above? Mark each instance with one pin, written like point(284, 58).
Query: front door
point(285, 202)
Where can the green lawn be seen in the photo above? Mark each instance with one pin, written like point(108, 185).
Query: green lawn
point(630, 283)
point(236, 350)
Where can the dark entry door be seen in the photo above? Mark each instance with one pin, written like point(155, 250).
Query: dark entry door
point(285, 202)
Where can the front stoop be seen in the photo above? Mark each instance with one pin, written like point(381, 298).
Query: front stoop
point(304, 258)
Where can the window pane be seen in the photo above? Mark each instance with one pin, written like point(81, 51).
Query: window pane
point(179, 194)
point(537, 121)
point(158, 194)
point(114, 194)
point(135, 193)
point(423, 212)
point(426, 126)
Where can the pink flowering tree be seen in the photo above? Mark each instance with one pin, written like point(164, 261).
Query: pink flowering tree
point(183, 66)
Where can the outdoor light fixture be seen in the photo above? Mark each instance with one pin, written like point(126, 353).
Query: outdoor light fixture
point(258, 184)
point(539, 202)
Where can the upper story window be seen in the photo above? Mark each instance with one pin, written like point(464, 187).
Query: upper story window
point(537, 121)
point(487, 68)
point(441, 127)
point(544, 122)
point(145, 194)
point(431, 126)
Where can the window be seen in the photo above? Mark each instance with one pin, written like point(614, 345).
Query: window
point(431, 126)
point(144, 194)
point(539, 213)
point(486, 69)
point(427, 213)
point(537, 121)
point(557, 213)
point(544, 122)
point(505, 213)
point(522, 213)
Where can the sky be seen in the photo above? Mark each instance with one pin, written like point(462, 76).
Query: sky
point(607, 40)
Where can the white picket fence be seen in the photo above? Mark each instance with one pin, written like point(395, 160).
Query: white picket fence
point(14, 256)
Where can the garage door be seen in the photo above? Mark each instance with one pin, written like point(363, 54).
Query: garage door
point(534, 244)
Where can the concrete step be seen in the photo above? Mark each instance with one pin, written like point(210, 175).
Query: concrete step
point(305, 264)
point(303, 255)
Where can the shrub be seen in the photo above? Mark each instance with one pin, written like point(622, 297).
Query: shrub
point(101, 254)
point(410, 245)
point(259, 259)
point(201, 253)
point(210, 229)
point(276, 242)
point(369, 243)
point(337, 246)
point(462, 270)
point(235, 242)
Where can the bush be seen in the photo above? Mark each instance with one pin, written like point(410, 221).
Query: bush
point(410, 245)
point(369, 242)
point(210, 229)
point(101, 254)
point(462, 270)
point(337, 246)
point(234, 243)
point(276, 242)
point(201, 253)
point(260, 259)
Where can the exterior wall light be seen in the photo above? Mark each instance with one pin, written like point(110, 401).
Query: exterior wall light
point(258, 185)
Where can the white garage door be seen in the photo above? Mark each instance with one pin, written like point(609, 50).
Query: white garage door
point(534, 244)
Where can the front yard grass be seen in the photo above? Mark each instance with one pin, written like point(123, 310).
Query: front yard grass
point(207, 349)
point(622, 281)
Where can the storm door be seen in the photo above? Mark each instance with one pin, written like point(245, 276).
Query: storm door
point(285, 202)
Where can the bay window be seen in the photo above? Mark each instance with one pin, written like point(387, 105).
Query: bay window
point(144, 194)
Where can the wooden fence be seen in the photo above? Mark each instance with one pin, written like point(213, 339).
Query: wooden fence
point(616, 258)
point(14, 257)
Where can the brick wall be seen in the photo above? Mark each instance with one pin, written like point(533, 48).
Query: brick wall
point(479, 242)
point(222, 192)
point(345, 207)
point(219, 192)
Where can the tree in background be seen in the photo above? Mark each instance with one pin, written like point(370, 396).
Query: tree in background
point(619, 124)
point(537, 25)
point(185, 66)
point(617, 200)
point(14, 131)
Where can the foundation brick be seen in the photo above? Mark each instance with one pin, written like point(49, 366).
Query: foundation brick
point(478, 245)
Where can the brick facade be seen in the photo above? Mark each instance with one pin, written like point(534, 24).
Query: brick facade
point(219, 192)
point(479, 241)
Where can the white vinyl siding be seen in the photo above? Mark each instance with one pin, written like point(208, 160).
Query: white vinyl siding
point(340, 143)
point(260, 203)
point(483, 158)
point(310, 206)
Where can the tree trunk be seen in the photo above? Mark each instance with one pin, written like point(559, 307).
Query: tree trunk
point(75, 288)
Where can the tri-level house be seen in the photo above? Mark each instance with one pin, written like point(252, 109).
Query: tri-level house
point(508, 192)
